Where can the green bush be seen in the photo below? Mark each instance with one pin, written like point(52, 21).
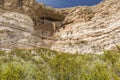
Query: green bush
point(45, 64)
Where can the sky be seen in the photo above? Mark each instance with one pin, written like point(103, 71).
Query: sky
point(69, 3)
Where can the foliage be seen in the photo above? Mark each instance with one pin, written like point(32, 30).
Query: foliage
point(45, 64)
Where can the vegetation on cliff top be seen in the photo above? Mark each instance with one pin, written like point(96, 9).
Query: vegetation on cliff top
point(44, 64)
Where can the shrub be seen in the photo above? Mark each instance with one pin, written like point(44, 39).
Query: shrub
point(45, 64)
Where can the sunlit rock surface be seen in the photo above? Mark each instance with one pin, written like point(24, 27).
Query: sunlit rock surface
point(81, 29)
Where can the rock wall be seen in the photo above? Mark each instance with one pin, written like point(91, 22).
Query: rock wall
point(82, 29)
point(90, 29)
point(15, 30)
point(32, 9)
point(18, 31)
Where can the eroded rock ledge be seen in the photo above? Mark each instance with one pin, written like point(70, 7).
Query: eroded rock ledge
point(82, 29)
point(33, 9)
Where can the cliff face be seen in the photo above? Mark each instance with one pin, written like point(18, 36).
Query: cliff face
point(32, 8)
point(91, 29)
point(28, 24)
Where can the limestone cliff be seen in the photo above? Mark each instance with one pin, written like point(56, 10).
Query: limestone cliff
point(90, 29)
point(81, 29)
point(32, 8)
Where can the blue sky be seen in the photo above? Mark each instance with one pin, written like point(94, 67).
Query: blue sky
point(69, 3)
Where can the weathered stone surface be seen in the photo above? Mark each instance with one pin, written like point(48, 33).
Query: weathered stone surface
point(28, 24)
point(16, 30)
point(90, 29)
point(32, 9)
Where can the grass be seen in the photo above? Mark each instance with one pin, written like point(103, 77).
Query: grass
point(44, 64)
